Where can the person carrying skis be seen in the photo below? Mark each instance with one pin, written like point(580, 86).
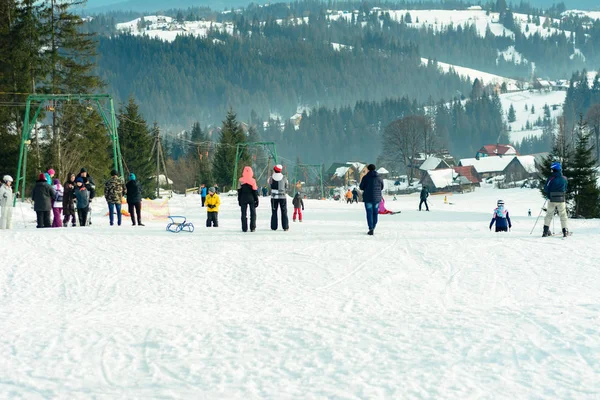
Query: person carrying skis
point(555, 190)
point(213, 201)
point(298, 207)
point(248, 198)
point(6, 202)
point(424, 196)
point(501, 218)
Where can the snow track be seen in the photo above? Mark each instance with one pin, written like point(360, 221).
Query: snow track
point(433, 306)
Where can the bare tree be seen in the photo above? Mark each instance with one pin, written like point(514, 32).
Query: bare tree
point(404, 139)
point(593, 120)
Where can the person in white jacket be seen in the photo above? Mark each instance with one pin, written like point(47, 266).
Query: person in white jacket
point(6, 202)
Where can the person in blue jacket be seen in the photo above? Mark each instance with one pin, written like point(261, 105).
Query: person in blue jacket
point(203, 194)
point(555, 190)
point(501, 218)
point(371, 185)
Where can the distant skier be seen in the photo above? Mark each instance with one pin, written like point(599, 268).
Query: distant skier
point(43, 196)
point(501, 217)
point(203, 191)
point(6, 202)
point(82, 196)
point(265, 191)
point(134, 199)
point(372, 186)
point(354, 195)
point(298, 207)
point(279, 186)
point(349, 196)
point(248, 198)
point(555, 190)
point(58, 203)
point(68, 204)
point(213, 201)
point(529, 212)
point(424, 196)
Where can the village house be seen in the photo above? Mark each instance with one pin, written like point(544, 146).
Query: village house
point(490, 150)
point(515, 168)
point(346, 174)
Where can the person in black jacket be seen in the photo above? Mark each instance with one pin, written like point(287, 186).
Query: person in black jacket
point(424, 196)
point(248, 198)
point(371, 185)
point(134, 199)
point(298, 207)
point(43, 195)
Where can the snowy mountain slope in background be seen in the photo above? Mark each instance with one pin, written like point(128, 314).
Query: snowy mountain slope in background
point(434, 306)
point(475, 74)
point(533, 100)
point(98, 6)
point(167, 29)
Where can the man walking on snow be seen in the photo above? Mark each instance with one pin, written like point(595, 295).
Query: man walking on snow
point(371, 185)
point(555, 190)
point(424, 196)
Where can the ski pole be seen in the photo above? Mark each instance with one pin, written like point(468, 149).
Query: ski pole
point(538, 217)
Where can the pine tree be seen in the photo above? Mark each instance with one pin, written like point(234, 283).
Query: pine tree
point(583, 177)
point(136, 145)
point(512, 117)
point(224, 162)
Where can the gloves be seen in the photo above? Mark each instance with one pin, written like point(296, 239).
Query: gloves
point(302, 208)
point(256, 204)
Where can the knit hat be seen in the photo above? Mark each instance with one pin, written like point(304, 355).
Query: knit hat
point(212, 190)
point(41, 177)
point(83, 170)
point(51, 171)
point(114, 173)
point(132, 176)
point(371, 167)
point(56, 182)
point(79, 179)
point(278, 168)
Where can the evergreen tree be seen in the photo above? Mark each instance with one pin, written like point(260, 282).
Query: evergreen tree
point(202, 147)
point(225, 157)
point(583, 177)
point(512, 117)
point(561, 152)
point(136, 145)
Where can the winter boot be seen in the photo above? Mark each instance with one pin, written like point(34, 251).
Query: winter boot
point(546, 231)
point(565, 232)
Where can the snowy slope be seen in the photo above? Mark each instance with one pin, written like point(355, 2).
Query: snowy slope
point(473, 74)
point(167, 29)
point(433, 306)
point(536, 99)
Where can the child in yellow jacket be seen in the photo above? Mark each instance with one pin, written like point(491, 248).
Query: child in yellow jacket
point(213, 201)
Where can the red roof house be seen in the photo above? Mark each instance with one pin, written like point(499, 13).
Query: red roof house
point(469, 172)
point(490, 150)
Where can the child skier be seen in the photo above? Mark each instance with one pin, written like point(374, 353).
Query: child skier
point(501, 218)
point(58, 203)
point(6, 203)
point(298, 207)
point(213, 201)
point(82, 196)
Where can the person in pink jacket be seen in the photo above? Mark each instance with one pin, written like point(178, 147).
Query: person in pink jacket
point(57, 205)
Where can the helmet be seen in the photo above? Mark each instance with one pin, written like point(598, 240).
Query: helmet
point(500, 202)
point(7, 178)
point(556, 166)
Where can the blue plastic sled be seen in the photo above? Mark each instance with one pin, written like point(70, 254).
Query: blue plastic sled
point(178, 224)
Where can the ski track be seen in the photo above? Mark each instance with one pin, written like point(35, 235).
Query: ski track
point(433, 306)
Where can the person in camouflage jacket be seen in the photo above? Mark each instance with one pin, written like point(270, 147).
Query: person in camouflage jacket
point(113, 192)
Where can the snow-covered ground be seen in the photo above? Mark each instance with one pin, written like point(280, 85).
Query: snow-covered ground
point(465, 72)
point(167, 29)
point(433, 306)
point(537, 100)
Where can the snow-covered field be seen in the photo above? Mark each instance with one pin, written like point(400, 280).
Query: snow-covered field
point(484, 77)
point(433, 306)
point(536, 99)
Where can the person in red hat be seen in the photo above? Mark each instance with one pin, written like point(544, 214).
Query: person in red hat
point(279, 186)
point(43, 195)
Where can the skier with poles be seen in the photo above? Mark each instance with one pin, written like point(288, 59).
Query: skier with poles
point(555, 190)
point(501, 218)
